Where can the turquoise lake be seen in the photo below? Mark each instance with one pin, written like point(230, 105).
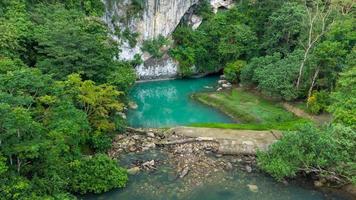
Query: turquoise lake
point(168, 103)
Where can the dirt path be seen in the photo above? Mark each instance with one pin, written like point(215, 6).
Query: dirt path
point(320, 119)
point(245, 142)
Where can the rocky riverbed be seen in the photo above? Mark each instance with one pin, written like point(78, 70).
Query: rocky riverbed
point(193, 161)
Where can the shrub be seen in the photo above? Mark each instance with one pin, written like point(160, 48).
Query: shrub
point(318, 102)
point(130, 37)
point(96, 174)
point(343, 105)
point(153, 47)
point(327, 152)
point(232, 70)
point(185, 58)
point(123, 77)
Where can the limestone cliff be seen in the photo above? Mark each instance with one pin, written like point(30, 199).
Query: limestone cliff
point(158, 17)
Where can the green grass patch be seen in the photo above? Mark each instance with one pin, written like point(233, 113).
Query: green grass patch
point(254, 112)
point(246, 107)
point(283, 126)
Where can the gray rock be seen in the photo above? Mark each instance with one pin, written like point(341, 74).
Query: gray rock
point(133, 170)
point(136, 137)
point(221, 82)
point(132, 105)
point(122, 115)
point(248, 168)
point(132, 148)
point(184, 172)
point(226, 85)
point(149, 146)
point(252, 188)
point(228, 166)
point(219, 89)
point(150, 134)
point(149, 164)
point(218, 155)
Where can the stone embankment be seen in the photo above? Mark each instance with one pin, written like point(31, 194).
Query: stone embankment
point(233, 142)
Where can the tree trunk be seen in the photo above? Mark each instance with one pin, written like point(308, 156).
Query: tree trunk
point(302, 64)
point(313, 81)
point(18, 165)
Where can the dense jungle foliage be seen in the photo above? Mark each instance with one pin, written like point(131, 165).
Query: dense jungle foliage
point(61, 93)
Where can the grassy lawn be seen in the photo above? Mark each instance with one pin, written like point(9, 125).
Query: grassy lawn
point(254, 112)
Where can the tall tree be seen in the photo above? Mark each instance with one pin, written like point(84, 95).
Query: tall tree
point(318, 20)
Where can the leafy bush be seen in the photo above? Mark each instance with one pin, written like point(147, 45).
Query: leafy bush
point(101, 142)
point(131, 37)
point(153, 47)
point(318, 102)
point(328, 153)
point(232, 70)
point(343, 105)
point(186, 58)
point(276, 76)
point(135, 8)
point(123, 77)
point(96, 174)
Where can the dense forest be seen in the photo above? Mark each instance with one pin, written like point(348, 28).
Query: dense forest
point(63, 87)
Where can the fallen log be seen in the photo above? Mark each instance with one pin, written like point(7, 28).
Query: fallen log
point(134, 130)
point(188, 140)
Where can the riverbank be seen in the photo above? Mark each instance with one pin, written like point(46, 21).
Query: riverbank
point(255, 112)
point(181, 164)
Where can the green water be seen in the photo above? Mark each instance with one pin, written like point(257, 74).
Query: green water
point(167, 103)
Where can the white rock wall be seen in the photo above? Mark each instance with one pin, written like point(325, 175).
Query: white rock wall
point(160, 17)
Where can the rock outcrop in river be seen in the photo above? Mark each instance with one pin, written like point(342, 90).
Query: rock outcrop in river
point(157, 17)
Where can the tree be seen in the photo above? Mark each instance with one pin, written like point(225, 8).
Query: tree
point(99, 102)
point(14, 26)
point(232, 70)
point(317, 23)
point(329, 58)
point(327, 153)
point(278, 78)
point(284, 27)
point(238, 42)
point(96, 174)
point(69, 42)
point(343, 105)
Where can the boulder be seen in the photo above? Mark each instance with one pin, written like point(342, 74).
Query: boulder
point(220, 82)
point(150, 134)
point(228, 166)
point(132, 105)
point(184, 172)
point(122, 115)
point(252, 188)
point(248, 168)
point(225, 85)
point(219, 89)
point(133, 170)
point(149, 146)
point(132, 148)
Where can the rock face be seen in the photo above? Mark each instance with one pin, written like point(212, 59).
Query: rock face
point(159, 17)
